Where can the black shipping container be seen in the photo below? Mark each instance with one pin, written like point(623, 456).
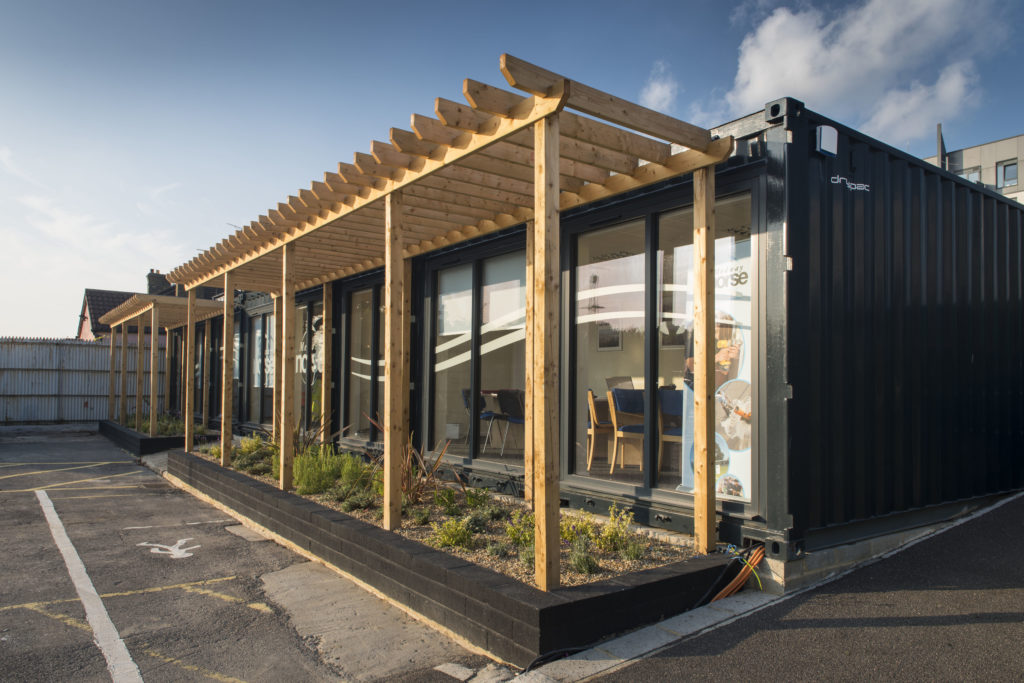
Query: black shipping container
point(894, 373)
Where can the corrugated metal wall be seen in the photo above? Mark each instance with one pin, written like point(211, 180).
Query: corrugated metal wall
point(62, 380)
point(905, 310)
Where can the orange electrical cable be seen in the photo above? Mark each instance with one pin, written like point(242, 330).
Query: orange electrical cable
point(741, 578)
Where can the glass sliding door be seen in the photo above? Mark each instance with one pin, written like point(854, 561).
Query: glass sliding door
point(452, 346)
point(257, 339)
point(269, 374)
point(610, 340)
point(360, 365)
point(502, 356)
point(733, 362)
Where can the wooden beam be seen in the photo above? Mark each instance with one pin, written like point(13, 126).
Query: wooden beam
point(704, 536)
point(188, 371)
point(227, 382)
point(140, 361)
point(396, 363)
point(534, 79)
point(112, 370)
point(325, 372)
point(545, 320)
point(287, 388)
point(154, 368)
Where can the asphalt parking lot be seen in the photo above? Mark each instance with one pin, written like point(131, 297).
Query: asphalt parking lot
point(110, 572)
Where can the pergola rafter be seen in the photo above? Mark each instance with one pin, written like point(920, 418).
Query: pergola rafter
point(498, 160)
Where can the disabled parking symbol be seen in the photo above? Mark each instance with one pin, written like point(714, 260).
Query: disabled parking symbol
point(176, 551)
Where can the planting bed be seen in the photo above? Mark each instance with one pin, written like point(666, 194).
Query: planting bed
point(514, 621)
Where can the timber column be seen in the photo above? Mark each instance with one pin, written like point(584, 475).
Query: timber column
point(227, 382)
point(123, 402)
point(545, 327)
point(154, 368)
point(704, 534)
point(188, 373)
point(396, 360)
point(286, 372)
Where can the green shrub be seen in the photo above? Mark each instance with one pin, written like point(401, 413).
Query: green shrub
point(445, 499)
point(476, 498)
point(254, 455)
point(496, 512)
point(452, 533)
point(635, 549)
point(421, 517)
point(476, 521)
point(519, 528)
point(615, 533)
point(316, 470)
point(364, 500)
point(495, 549)
point(580, 558)
point(571, 527)
point(526, 554)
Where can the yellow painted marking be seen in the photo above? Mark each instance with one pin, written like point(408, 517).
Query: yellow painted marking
point(62, 469)
point(140, 591)
point(63, 618)
point(76, 481)
point(190, 667)
point(260, 607)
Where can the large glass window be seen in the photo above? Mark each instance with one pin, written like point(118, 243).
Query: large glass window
point(360, 364)
point(452, 355)
point(479, 358)
point(502, 356)
point(610, 351)
point(256, 337)
point(733, 396)
point(616, 327)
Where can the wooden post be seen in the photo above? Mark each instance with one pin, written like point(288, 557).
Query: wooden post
point(154, 368)
point(188, 371)
point(227, 382)
point(140, 362)
point(396, 392)
point(325, 371)
point(287, 370)
point(545, 321)
point(112, 393)
point(278, 364)
point(704, 536)
point(204, 375)
point(123, 414)
point(528, 394)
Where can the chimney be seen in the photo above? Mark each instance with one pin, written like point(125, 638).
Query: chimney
point(156, 283)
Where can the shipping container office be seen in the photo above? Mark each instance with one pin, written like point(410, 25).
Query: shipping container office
point(869, 319)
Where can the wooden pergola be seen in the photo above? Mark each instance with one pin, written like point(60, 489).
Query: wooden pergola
point(168, 312)
point(498, 160)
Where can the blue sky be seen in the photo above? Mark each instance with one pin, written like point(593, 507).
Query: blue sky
point(134, 134)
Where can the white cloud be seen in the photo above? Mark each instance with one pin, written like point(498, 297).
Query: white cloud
point(59, 252)
point(7, 161)
point(156, 204)
point(906, 114)
point(660, 90)
point(865, 64)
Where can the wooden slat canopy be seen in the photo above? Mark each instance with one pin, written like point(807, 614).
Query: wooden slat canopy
point(173, 310)
point(464, 172)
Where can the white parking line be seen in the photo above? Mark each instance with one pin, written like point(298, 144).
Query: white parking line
point(164, 526)
point(119, 661)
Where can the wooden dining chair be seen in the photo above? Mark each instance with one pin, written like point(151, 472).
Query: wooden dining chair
point(598, 422)
point(627, 411)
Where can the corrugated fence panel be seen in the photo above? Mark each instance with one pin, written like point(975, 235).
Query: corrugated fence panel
point(905, 340)
point(46, 380)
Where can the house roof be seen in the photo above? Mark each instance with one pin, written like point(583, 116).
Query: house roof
point(468, 172)
point(98, 302)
